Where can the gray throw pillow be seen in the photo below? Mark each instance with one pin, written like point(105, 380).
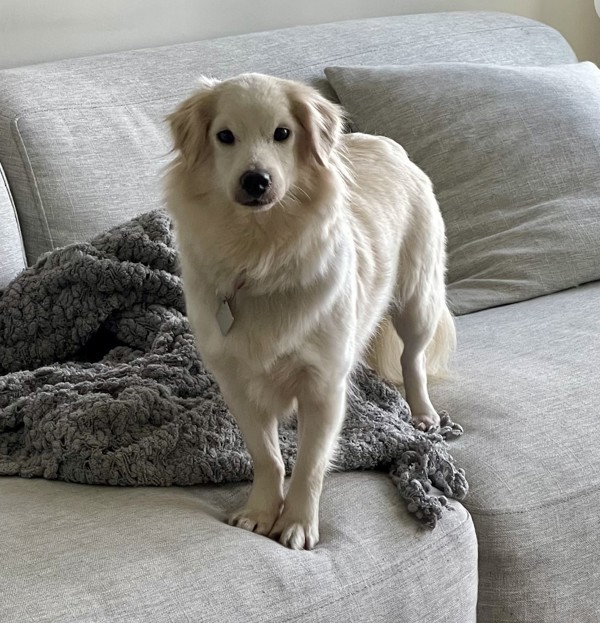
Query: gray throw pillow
point(514, 155)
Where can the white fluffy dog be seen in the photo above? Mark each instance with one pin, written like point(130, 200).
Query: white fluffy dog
point(303, 250)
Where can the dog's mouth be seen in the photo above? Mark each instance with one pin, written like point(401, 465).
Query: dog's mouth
point(256, 203)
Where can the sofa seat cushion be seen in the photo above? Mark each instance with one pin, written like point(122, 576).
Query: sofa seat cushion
point(86, 553)
point(514, 155)
point(527, 393)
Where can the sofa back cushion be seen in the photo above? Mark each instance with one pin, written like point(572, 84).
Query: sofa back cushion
point(514, 155)
point(84, 142)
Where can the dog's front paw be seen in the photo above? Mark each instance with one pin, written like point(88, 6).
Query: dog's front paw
point(255, 520)
point(426, 421)
point(296, 532)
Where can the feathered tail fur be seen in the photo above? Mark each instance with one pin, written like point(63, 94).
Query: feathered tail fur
point(386, 347)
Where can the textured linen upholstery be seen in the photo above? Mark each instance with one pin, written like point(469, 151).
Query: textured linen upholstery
point(12, 254)
point(82, 553)
point(83, 141)
point(527, 393)
point(514, 156)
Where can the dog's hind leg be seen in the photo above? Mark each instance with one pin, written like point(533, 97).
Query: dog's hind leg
point(423, 326)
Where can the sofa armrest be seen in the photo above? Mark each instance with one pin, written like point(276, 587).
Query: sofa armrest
point(12, 252)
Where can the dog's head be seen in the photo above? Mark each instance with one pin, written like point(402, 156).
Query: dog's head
point(254, 135)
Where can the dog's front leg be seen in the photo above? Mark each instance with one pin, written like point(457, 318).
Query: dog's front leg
point(321, 410)
point(259, 429)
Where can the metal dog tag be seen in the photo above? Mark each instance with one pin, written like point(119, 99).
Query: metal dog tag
point(225, 316)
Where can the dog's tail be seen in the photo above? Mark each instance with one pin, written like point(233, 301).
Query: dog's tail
point(386, 348)
point(441, 348)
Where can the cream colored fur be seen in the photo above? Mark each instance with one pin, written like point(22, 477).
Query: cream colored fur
point(348, 250)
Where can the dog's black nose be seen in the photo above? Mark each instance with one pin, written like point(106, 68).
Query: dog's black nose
point(255, 183)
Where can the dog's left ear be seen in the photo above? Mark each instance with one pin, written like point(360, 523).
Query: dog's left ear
point(320, 119)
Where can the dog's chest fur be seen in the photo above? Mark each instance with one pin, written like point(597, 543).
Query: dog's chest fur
point(274, 317)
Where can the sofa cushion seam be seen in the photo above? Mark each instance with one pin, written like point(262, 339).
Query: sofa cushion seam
point(27, 165)
point(527, 509)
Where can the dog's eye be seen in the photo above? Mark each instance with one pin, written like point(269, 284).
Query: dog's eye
point(281, 134)
point(226, 136)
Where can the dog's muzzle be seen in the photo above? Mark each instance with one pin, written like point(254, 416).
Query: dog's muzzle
point(255, 184)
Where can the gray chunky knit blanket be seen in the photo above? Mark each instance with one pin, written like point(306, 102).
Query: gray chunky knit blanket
point(100, 383)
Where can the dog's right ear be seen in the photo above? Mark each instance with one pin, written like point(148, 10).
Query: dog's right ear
point(190, 123)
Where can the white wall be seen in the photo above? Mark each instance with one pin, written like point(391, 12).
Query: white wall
point(36, 30)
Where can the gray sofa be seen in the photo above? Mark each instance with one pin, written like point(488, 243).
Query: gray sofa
point(82, 146)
